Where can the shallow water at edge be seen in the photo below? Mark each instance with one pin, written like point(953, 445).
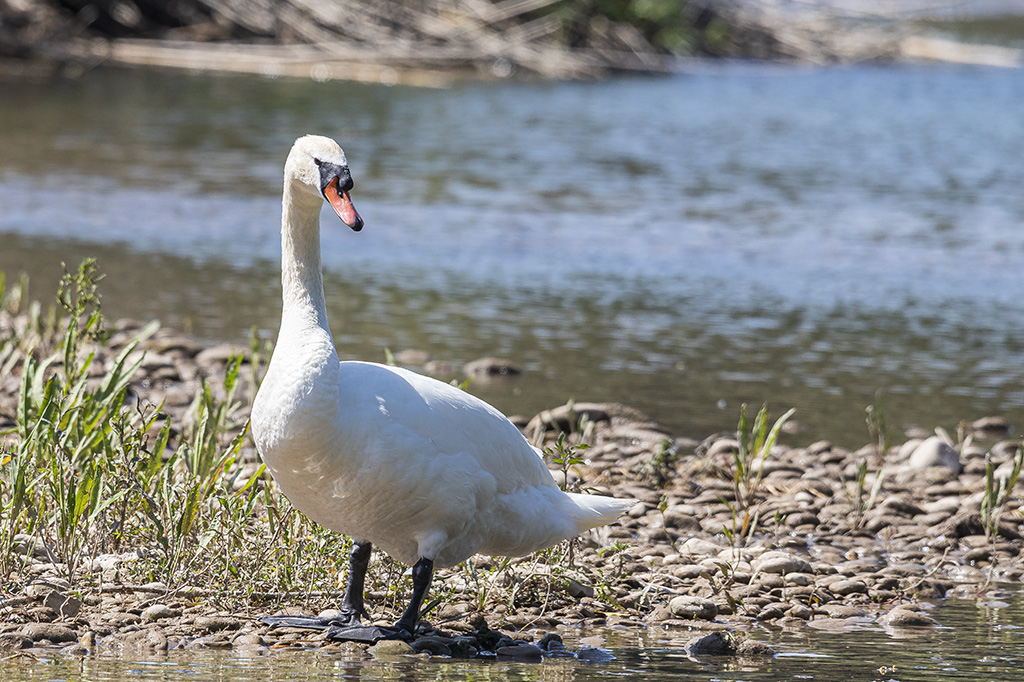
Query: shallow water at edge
point(979, 640)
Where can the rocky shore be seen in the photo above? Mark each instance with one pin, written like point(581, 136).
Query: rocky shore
point(819, 537)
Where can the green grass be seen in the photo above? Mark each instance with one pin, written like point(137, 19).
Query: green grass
point(87, 467)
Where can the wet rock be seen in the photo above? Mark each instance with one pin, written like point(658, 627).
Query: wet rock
point(491, 367)
point(411, 356)
point(714, 644)
point(523, 652)
point(695, 608)
point(141, 641)
point(988, 427)
point(13, 641)
point(934, 452)
point(435, 646)
point(390, 648)
point(566, 418)
point(801, 611)
point(58, 634)
point(593, 655)
point(751, 648)
point(901, 617)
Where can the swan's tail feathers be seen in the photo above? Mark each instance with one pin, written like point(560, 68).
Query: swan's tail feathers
point(592, 511)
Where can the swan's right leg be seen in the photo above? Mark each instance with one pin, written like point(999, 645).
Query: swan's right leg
point(352, 608)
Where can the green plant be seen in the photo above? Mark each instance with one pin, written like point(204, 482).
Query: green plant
point(861, 504)
point(997, 492)
point(749, 459)
point(659, 469)
point(878, 427)
point(565, 456)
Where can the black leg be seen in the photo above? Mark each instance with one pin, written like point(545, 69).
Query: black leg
point(359, 560)
point(352, 608)
point(422, 574)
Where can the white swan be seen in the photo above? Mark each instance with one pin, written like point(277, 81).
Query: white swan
point(427, 472)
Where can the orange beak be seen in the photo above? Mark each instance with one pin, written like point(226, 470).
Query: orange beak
point(342, 205)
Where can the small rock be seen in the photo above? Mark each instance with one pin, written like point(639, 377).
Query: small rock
point(578, 590)
point(686, 606)
point(13, 641)
point(523, 652)
point(150, 639)
point(157, 612)
point(389, 648)
point(752, 648)
point(435, 646)
point(715, 644)
point(907, 618)
point(781, 562)
point(58, 634)
point(935, 452)
point(801, 611)
point(851, 586)
point(491, 367)
point(65, 605)
point(593, 655)
point(216, 623)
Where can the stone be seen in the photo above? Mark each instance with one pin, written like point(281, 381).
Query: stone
point(781, 562)
point(491, 367)
point(752, 648)
point(849, 586)
point(64, 605)
point(390, 648)
point(216, 623)
point(58, 634)
point(934, 452)
point(714, 644)
point(13, 641)
point(140, 641)
point(522, 652)
point(435, 646)
point(158, 612)
point(901, 617)
point(695, 608)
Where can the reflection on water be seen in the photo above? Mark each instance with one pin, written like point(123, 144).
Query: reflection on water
point(979, 640)
point(739, 234)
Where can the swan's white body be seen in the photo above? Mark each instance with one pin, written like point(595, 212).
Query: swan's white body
point(409, 463)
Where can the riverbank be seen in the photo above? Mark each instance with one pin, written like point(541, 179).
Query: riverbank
point(140, 525)
point(434, 44)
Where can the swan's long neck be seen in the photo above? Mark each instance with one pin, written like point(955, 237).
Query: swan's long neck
point(305, 307)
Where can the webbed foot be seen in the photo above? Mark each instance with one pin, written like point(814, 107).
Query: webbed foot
point(369, 634)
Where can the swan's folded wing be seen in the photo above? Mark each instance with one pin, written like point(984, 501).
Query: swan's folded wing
point(439, 419)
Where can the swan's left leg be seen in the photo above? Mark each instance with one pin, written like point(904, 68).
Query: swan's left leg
point(422, 574)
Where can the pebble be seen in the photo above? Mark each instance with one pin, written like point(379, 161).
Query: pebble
point(527, 652)
point(696, 608)
point(58, 634)
point(157, 612)
point(934, 452)
point(390, 648)
point(780, 562)
point(905, 618)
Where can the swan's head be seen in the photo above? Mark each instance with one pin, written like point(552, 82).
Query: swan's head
point(318, 166)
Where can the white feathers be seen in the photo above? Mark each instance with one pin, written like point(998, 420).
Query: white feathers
point(415, 466)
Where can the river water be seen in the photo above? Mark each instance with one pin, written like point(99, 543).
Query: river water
point(736, 233)
point(981, 641)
